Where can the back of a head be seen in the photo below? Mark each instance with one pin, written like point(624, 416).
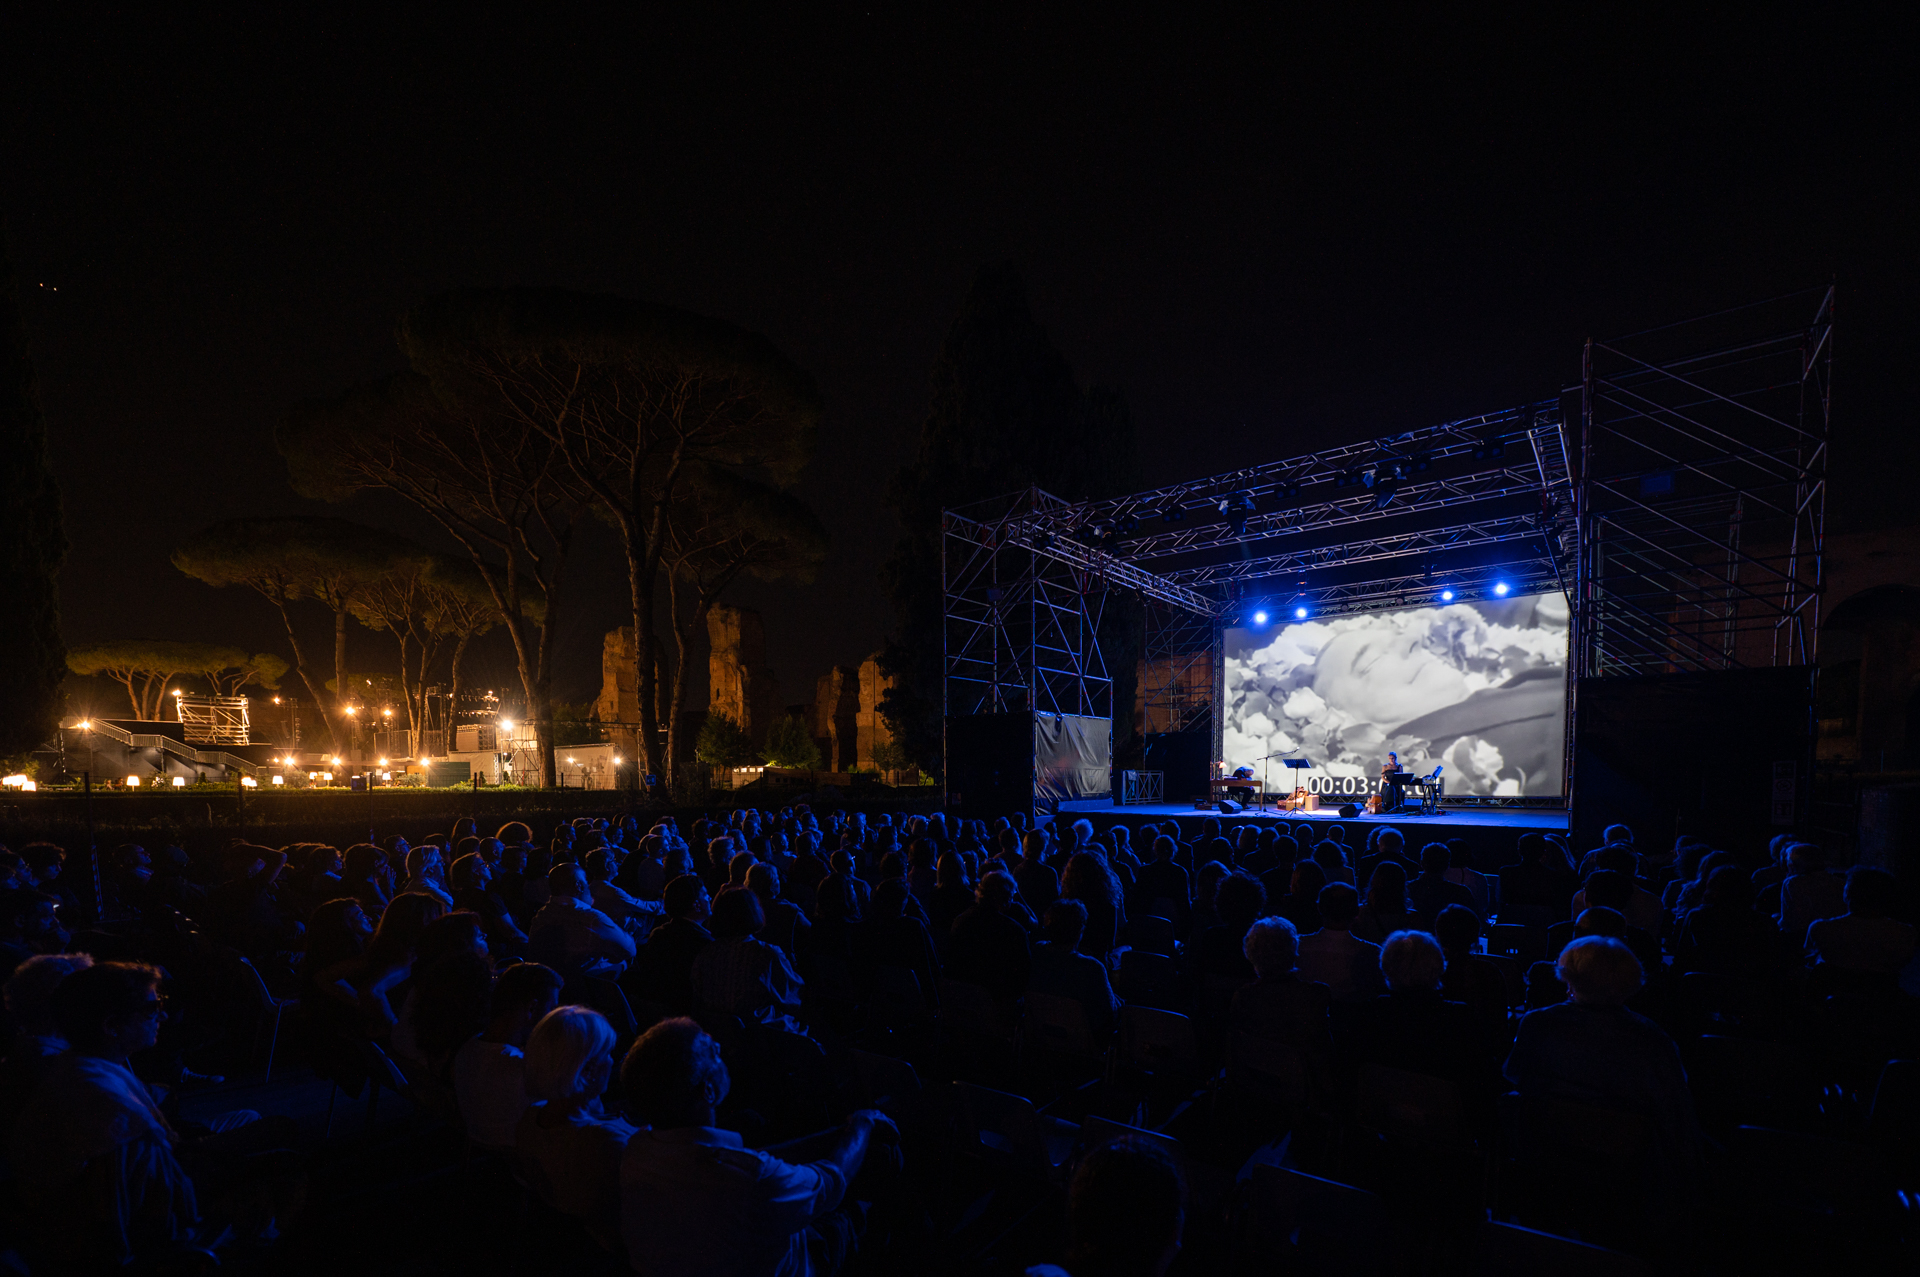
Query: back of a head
point(599, 864)
point(1617, 834)
point(680, 895)
point(763, 880)
point(86, 1000)
point(671, 1073)
point(567, 880)
point(1617, 859)
point(1609, 887)
point(1457, 927)
point(1238, 900)
point(1125, 1211)
point(1598, 920)
point(1412, 961)
point(1805, 857)
point(30, 989)
point(996, 890)
point(406, 916)
point(1730, 887)
point(1387, 888)
point(1600, 971)
point(1338, 902)
point(1391, 842)
point(737, 914)
point(1869, 892)
point(1435, 858)
point(738, 866)
point(463, 871)
point(514, 832)
point(1458, 854)
point(1272, 946)
point(560, 1051)
point(521, 985)
point(1066, 922)
point(1309, 879)
point(457, 932)
point(1329, 854)
point(1163, 848)
point(890, 897)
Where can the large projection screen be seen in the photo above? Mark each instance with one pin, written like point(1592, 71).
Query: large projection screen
point(1478, 688)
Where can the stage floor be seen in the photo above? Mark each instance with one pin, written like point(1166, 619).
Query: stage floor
point(1519, 819)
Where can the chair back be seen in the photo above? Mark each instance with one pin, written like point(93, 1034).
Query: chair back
point(1216, 995)
point(1156, 1041)
point(1054, 1023)
point(1327, 1227)
point(1508, 1250)
point(1095, 1132)
point(969, 1009)
point(882, 1077)
point(1511, 940)
point(1409, 1106)
point(1153, 933)
point(1273, 1070)
point(1148, 978)
point(897, 997)
point(1009, 1125)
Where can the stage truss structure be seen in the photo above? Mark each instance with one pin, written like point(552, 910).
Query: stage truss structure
point(214, 720)
point(1702, 492)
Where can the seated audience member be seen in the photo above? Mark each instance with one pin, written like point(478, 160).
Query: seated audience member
point(1727, 935)
point(1220, 950)
point(1061, 970)
point(1460, 870)
point(1414, 1028)
point(1469, 978)
point(36, 1037)
point(472, 881)
point(390, 958)
point(1334, 956)
point(695, 1199)
point(894, 937)
point(1281, 1005)
point(740, 974)
point(1332, 859)
point(635, 915)
point(571, 936)
point(426, 873)
point(1386, 908)
point(1126, 1210)
point(569, 1150)
point(1863, 941)
point(665, 967)
point(987, 946)
point(1593, 1050)
point(488, 1070)
point(241, 911)
point(787, 924)
point(446, 1001)
point(1641, 907)
point(1613, 889)
point(364, 876)
point(1089, 880)
point(1541, 880)
point(29, 925)
point(1163, 879)
point(1430, 891)
point(1301, 904)
point(1808, 893)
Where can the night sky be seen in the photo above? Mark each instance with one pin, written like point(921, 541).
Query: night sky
point(1270, 238)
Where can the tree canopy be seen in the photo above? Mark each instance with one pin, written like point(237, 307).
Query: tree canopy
point(722, 742)
point(1006, 414)
point(791, 744)
point(147, 667)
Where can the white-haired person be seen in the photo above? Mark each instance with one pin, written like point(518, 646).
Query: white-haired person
point(1412, 1026)
point(1280, 1006)
point(568, 1149)
point(1593, 1050)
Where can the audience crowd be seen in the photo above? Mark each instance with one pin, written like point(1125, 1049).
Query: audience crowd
point(705, 1048)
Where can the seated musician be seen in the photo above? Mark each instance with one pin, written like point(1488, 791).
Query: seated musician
point(1395, 792)
point(1244, 793)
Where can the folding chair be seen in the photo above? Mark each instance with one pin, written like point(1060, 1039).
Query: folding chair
point(1320, 1225)
point(1150, 979)
point(1010, 1128)
point(1059, 1026)
point(1271, 1074)
point(1152, 933)
point(270, 1004)
point(1409, 1106)
point(1508, 1250)
point(897, 1000)
point(1156, 1042)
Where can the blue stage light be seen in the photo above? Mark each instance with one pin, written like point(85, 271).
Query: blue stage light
point(1300, 613)
point(1500, 588)
point(1259, 618)
point(1446, 596)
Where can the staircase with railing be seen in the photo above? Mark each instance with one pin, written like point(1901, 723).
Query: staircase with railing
point(166, 744)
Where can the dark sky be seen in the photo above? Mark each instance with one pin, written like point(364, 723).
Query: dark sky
point(1269, 237)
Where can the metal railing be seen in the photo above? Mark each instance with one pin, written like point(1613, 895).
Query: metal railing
point(165, 744)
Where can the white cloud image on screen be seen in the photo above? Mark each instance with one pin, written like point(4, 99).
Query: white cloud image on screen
point(1476, 687)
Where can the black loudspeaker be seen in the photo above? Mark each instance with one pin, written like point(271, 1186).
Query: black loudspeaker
point(1228, 807)
point(1182, 759)
point(1348, 811)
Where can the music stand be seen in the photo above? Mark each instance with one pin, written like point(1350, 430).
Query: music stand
point(1297, 764)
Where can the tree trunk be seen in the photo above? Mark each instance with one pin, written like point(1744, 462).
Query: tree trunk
point(453, 683)
point(406, 683)
point(646, 657)
point(133, 698)
point(340, 667)
point(300, 667)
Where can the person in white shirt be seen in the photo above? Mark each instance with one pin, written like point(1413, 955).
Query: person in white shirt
point(569, 1150)
point(489, 1071)
point(694, 1199)
point(1334, 956)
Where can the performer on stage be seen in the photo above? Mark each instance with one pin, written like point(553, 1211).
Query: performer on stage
point(1395, 793)
point(1244, 795)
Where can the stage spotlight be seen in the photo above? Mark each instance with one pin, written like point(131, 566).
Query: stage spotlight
point(1422, 461)
point(1259, 618)
point(1300, 614)
point(1126, 526)
point(1446, 596)
point(1489, 447)
point(1173, 514)
point(1500, 588)
point(1042, 540)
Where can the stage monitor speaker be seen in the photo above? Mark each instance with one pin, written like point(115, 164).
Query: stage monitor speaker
point(1228, 807)
point(1348, 811)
